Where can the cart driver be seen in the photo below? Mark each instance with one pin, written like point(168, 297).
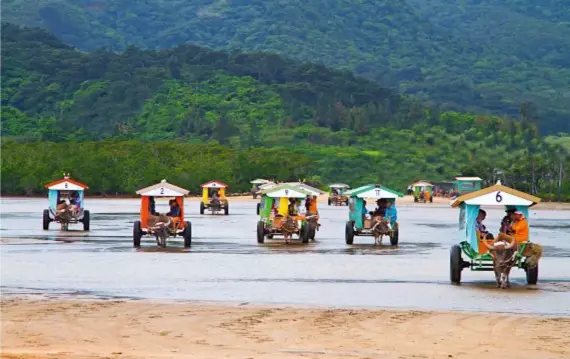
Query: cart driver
point(390, 212)
point(174, 209)
point(174, 212)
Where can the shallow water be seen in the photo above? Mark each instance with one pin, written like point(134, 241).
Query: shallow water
point(225, 262)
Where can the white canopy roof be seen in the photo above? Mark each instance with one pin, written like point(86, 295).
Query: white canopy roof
point(314, 191)
point(163, 189)
point(339, 185)
point(497, 195)
point(468, 178)
point(422, 184)
point(259, 181)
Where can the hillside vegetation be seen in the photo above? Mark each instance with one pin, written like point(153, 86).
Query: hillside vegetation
point(122, 121)
point(475, 55)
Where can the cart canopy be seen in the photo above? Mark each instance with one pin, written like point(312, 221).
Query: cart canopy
point(163, 189)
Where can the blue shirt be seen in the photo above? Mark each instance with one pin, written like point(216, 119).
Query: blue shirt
point(392, 213)
point(174, 212)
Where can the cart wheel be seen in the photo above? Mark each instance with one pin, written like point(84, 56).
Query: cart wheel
point(329, 201)
point(349, 232)
point(258, 208)
point(46, 219)
point(395, 235)
point(431, 199)
point(202, 207)
point(260, 232)
point(187, 235)
point(311, 233)
point(86, 220)
point(137, 234)
point(416, 199)
point(346, 202)
point(304, 235)
point(227, 209)
point(532, 275)
point(455, 264)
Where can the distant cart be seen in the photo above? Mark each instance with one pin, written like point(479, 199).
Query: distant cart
point(214, 198)
point(463, 185)
point(65, 204)
point(258, 182)
point(148, 225)
point(337, 194)
point(423, 191)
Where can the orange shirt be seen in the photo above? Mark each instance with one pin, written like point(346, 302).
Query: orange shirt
point(520, 227)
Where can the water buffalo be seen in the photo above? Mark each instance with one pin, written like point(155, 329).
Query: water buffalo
point(289, 227)
point(504, 254)
point(380, 228)
point(158, 225)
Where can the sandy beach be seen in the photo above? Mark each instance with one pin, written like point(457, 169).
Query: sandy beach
point(125, 329)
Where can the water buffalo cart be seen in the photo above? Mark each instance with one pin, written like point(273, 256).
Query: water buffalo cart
point(423, 192)
point(256, 184)
point(359, 224)
point(65, 204)
point(483, 253)
point(337, 194)
point(162, 225)
point(214, 198)
point(278, 214)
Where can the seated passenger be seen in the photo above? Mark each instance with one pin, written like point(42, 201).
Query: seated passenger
point(380, 211)
point(507, 223)
point(74, 203)
point(174, 209)
point(292, 210)
point(152, 206)
point(481, 227)
point(61, 206)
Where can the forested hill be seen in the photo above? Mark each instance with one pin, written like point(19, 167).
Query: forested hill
point(483, 55)
point(192, 114)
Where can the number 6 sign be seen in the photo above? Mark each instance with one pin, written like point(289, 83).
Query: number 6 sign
point(499, 198)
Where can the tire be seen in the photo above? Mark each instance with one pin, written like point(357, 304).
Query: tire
point(227, 209)
point(202, 207)
point(416, 199)
point(304, 235)
point(329, 201)
point(46, 219)
point(395, 236)
point(260, 232)
point(455, 264)
point(431, 199)
point(86, 220)
point(311, 234)
point(349, 233)
point(532, 275)
point(187, 235)
point(137, 234)
point(258, 208)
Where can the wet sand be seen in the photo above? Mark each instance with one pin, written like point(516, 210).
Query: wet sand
point(63, 329)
